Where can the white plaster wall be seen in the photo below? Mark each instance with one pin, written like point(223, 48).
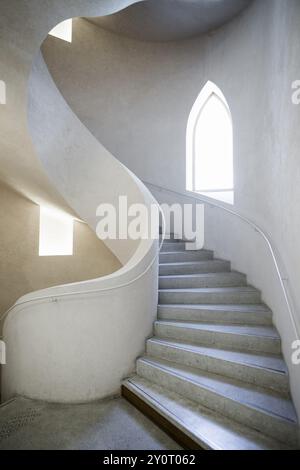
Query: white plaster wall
point(140, 113)
point(74, 342)
point(78, 349)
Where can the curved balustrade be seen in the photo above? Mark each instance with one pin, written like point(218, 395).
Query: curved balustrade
point(75, 342)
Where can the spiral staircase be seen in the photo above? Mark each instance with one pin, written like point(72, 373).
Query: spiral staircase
point(72, 331)
point(213, 373)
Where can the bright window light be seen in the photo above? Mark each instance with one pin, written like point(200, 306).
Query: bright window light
point(63, 30)
point(210, 146)
point(213, 147)
point(2, 92)
point(56, 233)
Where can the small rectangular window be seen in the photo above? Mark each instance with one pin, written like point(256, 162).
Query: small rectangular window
point(2, 92)
point(56, 233)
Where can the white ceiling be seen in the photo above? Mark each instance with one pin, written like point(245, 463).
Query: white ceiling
point(166, 20)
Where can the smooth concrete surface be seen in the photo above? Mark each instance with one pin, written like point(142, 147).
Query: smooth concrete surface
point(78, 348)
point(86, 335)
point(165, 20)
point(112, 424)
point(22, 270)
point(146, 94)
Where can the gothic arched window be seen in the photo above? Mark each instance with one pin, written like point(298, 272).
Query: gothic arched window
point(210, 146)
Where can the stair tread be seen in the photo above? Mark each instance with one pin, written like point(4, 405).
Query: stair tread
point(201, 275)
point(212, 290)
point(189, 263)
point(209, 429)
point(170, 243)
point(249, 330)
point(247, 308)
point(248, 395)
point(186, 251)
point(273, 363)
point(202, 280)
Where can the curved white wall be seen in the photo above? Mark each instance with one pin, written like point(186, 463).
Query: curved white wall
point(24, 26)
point(83, 171)
point(254, 60)
point(75, 342)
point(77, 349)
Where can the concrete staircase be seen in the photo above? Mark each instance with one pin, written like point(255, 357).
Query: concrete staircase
point(213, 374)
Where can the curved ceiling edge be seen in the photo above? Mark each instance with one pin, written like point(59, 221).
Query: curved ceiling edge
point(170, 20)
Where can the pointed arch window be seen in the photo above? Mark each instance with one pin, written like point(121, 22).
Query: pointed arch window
point(210, 146)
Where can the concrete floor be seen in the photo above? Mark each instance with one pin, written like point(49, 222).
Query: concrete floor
point(107, 425)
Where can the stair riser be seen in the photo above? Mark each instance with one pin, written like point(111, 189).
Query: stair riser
point(218, 280)
point(195, 268)
point(185, 256)
point(209, 298)
point(252, 375)
point(219, 339)
point(214, 316)
point(170, 247)
point(243, 414)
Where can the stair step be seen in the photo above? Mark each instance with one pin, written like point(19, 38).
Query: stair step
point(229, 279)
point(223, 295)
point(182, 256)
point(196, 267)
point(263, 339)
point(207, 429)
point(263, 411)
point(234, 314)
point(267, 371)
point(168, 247)
point(171, 240)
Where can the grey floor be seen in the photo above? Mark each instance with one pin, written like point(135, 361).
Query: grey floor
point(109, 424)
